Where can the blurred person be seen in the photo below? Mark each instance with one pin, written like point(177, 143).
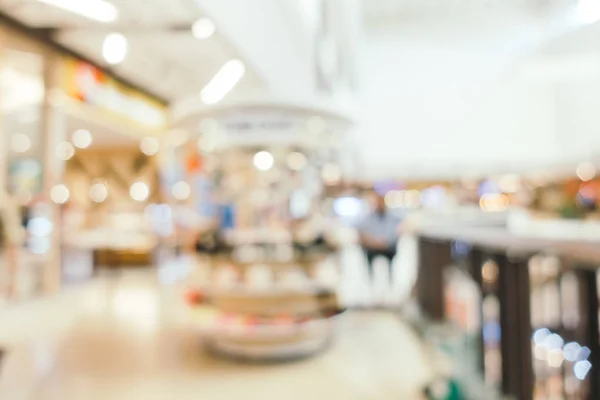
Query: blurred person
point(379, 234)
point(12, 236)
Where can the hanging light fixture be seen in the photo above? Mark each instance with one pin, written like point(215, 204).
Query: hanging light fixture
point(203, 28)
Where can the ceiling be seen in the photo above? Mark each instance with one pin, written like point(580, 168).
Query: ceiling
point(445, 88)
point(163, 55)
point(455, 88)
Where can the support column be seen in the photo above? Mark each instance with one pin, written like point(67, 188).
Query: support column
point(4, 140)
point(53, 131)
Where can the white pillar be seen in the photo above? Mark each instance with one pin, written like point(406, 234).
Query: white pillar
point(53, 132)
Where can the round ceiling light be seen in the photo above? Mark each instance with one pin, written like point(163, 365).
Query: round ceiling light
point(114, 48)
point(203, 28)
point(263, 161)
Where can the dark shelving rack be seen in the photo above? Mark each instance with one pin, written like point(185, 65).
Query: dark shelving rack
point(512, 282)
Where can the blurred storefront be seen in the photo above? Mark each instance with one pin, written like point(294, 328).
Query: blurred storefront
point(109, 142)
point(62, 120)
point(22, 150)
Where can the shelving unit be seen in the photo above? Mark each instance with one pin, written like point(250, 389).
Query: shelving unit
point(544, 325)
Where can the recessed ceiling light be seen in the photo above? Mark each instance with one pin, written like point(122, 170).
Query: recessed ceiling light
point(114, 48)
point(263, 160)
point(222, 83)
point(203, 28)
point(97, 10)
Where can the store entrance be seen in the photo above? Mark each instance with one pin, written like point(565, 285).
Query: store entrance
point(109, 179)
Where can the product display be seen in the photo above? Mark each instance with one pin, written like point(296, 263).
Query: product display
point(558, 344)
point(267, 287)
point(263, 310)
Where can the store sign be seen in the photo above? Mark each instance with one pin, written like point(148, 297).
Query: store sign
point(261, 125)
point(90, 85)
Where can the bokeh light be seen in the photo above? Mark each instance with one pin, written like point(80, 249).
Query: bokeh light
point(59, 194)
point(331, 174)
point(263, 161)
point(149, 146)
point(494, 202)
point(114, 48)
point(98, 192)
point(203, 28)
point(65, 151)
point(181, 190)
point(139, 191)
point(297, 161)
point(20, 143)
point(82, 138)
point(586, 171)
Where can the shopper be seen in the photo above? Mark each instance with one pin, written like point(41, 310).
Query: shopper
point(11, 238)
point(379, 235)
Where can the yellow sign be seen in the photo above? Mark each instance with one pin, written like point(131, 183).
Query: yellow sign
point(92, 86)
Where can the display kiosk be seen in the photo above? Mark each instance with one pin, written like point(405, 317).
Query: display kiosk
point(268, 290)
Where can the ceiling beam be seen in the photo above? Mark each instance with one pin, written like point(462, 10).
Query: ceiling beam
point(45, 37)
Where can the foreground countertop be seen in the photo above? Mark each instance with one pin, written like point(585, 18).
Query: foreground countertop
point(501, 238)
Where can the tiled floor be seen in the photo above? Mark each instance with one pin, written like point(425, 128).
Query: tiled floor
point(124, 336)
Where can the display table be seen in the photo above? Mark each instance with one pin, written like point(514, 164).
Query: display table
point(265, 310)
